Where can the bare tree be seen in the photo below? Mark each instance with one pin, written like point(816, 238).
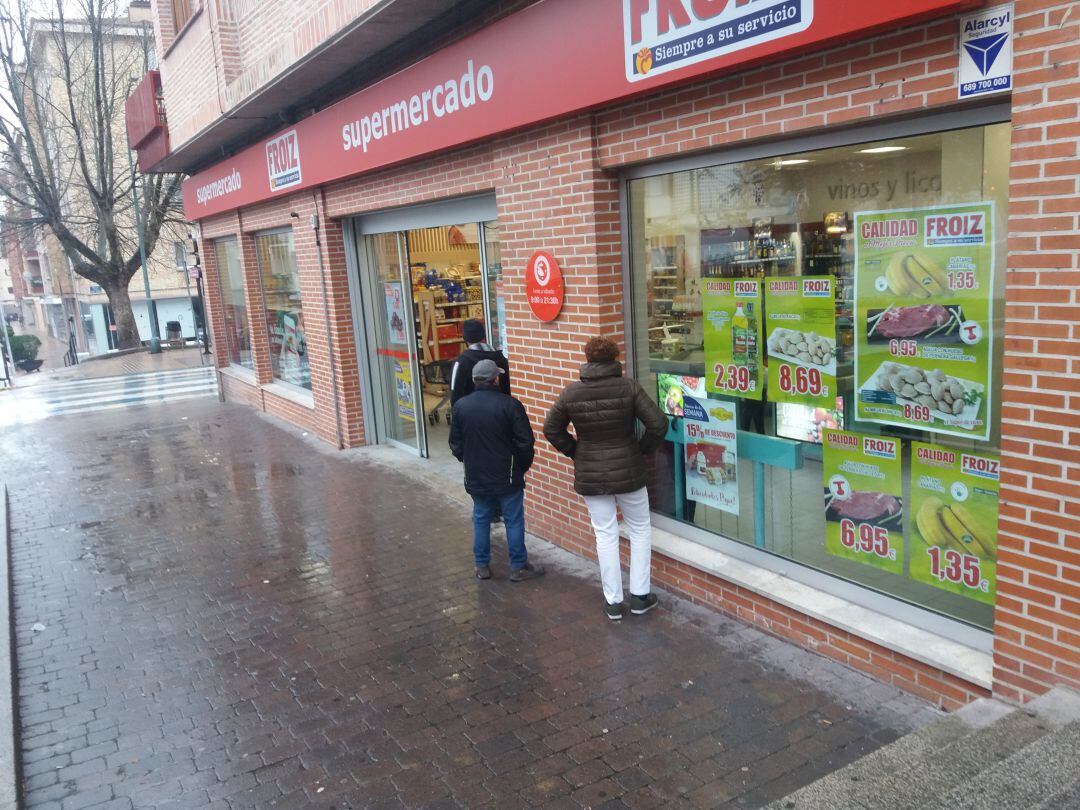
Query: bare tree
point(68, 67)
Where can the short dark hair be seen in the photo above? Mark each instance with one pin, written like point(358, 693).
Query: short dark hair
point(473, 331)
point(601, 350)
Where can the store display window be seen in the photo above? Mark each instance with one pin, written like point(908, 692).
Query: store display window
point(833, 320)
point(284, 310)
point(233, 303)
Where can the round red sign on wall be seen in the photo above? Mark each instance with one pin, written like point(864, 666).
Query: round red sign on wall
point(544, 286)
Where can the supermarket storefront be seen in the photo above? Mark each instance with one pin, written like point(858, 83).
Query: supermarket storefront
point(803, 239)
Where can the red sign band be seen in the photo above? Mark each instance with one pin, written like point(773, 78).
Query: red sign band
point(551, 59)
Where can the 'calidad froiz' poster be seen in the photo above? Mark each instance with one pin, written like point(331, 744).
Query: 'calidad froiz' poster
point(924, 286)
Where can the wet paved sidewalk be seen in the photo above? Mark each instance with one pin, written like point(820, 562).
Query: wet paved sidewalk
point(214, 611)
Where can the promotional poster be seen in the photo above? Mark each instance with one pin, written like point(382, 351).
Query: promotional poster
point(924, 288)
point(733, 337)
point(954, 504)
point(292, 367)
point(395, 312)
point(864, 503)
point(673, 389)
point(800, 335)
point(712, 459)
point(403, 386)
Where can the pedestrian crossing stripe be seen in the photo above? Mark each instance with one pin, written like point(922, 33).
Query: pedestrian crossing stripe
point(71, 397)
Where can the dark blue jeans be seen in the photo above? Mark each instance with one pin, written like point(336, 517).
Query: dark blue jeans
point(513, 511)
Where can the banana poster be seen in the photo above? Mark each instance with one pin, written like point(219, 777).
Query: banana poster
point(954, 500)
point(864, 499)
point(733, 337)
point(800, 337)
point(924, 285)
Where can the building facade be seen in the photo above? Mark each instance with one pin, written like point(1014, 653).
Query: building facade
point(845, 264)
point(53, 298)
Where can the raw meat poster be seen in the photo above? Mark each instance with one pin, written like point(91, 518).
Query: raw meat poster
point(864, 503)
point(800, 329)
point(924, 287)
point(712, 460)
point(954, 503)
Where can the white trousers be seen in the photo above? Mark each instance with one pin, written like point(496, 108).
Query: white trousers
point(635, 509)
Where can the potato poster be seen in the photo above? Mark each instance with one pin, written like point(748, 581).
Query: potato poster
point(864, 503)
point(712, 459)
point(954, 504)
point(800, 338)
point(733, 337)
point(924, 286)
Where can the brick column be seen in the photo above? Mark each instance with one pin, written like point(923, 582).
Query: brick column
point(554, 196)
point(212, 302)
point(1037, 622)
point(343, 336)
point(260, 338)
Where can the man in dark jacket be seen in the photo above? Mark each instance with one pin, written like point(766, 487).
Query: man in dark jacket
point(609, 466)
point(461, 381)
point(490, 433)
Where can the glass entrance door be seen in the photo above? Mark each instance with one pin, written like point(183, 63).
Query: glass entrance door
point(395, 367)
point(419, 286)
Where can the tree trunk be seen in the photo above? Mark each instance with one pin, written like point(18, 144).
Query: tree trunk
point(127, 332)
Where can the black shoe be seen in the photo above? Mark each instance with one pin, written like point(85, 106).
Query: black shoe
point(527, 571)
point(483, 572)
point(643, 604)
point(613, 612)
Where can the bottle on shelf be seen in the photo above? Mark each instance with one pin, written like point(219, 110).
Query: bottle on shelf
point(740, 326)
point(751, 340)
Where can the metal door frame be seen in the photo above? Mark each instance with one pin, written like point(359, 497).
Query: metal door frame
point(373, 389)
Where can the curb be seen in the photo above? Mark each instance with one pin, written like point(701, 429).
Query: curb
point(9, 706)
point(110, 355)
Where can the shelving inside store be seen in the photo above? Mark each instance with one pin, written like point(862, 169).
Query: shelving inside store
point(438, 320)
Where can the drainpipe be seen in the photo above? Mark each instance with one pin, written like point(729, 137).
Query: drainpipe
point(326, 320)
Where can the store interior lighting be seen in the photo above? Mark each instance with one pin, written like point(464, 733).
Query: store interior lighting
point(881, 150)
point(836, 222)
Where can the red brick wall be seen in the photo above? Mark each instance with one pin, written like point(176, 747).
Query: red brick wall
point(945, 690)
point(1037, 623)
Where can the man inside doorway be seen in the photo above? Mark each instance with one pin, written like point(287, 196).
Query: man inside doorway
point(475, 336)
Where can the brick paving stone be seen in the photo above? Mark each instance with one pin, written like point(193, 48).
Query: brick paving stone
point(236, 616)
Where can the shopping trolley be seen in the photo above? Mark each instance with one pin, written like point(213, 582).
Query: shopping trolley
point(437, 380)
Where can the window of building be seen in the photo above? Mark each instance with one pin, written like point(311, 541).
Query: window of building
point(182, 11)
point(284, 311)
point(835, 315)
point(233, 303)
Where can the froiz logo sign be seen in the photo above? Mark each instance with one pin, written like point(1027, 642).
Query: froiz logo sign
point(664, 35)
point(283, 161)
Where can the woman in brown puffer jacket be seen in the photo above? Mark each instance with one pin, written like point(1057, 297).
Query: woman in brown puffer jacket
point(609, 465)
